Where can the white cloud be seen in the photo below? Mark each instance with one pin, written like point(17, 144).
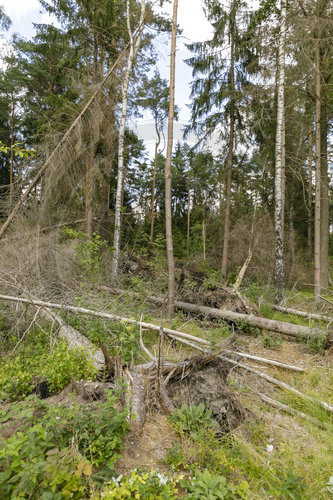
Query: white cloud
point(19, 9)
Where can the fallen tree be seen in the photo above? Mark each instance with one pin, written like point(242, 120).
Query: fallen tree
point(303, 314)
point(281, 327)
point(174, 334)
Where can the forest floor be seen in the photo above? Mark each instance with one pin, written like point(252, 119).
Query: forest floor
point(72, 447)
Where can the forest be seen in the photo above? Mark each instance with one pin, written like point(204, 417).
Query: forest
point(166, 298)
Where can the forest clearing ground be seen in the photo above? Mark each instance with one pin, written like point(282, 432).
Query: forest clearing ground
point(300, 461)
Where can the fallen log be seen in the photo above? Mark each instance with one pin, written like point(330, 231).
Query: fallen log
point(293, 411)
point(270, 379)
point(175, 334)
point(76, 340)
point(303, 314)
point(256, 321)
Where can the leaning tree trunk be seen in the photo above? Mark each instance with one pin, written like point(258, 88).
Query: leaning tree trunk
point(226, 234)
point(134, 47)
point(278, 215)
point(168, 211)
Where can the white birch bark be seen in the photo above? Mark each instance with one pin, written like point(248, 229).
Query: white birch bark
point(278, 214)
point(134, 48)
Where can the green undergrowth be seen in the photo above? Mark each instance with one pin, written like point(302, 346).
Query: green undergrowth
point(40, 356)
point(59, 452)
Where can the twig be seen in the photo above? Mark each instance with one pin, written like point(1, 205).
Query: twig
point(26, 331)
point(292, 411)
point(144, 348)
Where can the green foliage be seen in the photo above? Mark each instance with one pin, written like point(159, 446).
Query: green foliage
point(193, 419)
point(18, 151)
point(141, 485)
point(115, 336)
point(55, 458)
point(211, 487)
point(35, 359)
point(89, 251)
point(289, 486)
point(271, 342)
point(316, 344)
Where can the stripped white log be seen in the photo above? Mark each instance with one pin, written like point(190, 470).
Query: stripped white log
point(303, 314)
point(76, 340)
point(270, 379)
point(292, 411)
point(282, 327)
point(171, 333)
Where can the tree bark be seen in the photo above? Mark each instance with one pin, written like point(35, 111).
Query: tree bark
point(278, 213)
point(152, 220)
point(89, 195)
point(134, 47)
point(317, 242)
point(324, 202)
point(310, 199)
point(226, 233)
point(11, 171)
point(168, 208)
point(188, 210)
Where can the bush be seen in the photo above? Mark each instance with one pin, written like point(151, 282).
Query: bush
point(57, 456)
point(34, 359)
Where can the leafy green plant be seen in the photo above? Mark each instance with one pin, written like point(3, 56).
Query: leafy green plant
point(192, 419)
point(210, 487)
point(271, 342)
point(289, 486)
point(55, 457)
point(89, 251)
point(35, 359)
point(141, 485)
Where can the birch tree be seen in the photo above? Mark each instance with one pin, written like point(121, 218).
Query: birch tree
point(168, 209)
point(279, 149)
point(134, 45)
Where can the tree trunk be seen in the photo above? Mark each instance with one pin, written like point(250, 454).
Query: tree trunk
point(317, 242)
point(188, 210)
point(310, 199)
point(89, 195)
point(11, 171)
point(226, 234)
point(278, 214)
point(168, 211)
point(134, 47)
point(324, 202)
point(152, 220)
point(204, 238)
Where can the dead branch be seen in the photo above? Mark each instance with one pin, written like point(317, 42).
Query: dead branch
point(65, 137)
point(175, 334)
point(292, 411)
point(303, 314)
point(270, 379)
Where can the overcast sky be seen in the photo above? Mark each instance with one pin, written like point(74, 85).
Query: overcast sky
point(191, 19)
